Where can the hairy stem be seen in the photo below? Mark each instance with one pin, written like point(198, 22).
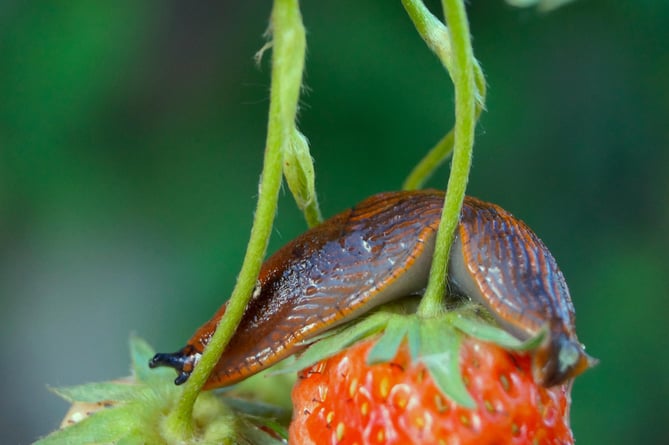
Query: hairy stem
point(312, 214)
point(430, 162)
point(436, 36)
point(288, 33)
point(463, 73)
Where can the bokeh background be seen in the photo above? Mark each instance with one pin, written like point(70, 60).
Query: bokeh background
point(131, 139)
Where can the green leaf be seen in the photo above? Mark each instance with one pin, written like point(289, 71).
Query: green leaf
point(330, 346)
point(484, 331)
point(272, 424)
point(493, 334)
point(140, 354)
point(386, 347)
point(440, 352)
point(298, 168)
point(134, 438)
point(534, 342)
point(106, 426)
point(256, 408)
point(414, 338)
point(97, 392)
point(249, 434)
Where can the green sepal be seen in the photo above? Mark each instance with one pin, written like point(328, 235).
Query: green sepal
point(331, 345)
point(272, 424)
point(248, 433)
point(298, 169)
point(414, 337)
point(484, 331)
point(97, 392)
point(134, 438)
point(440, 352)
point(397, 330)
point(257, 408)
point(140, 354)
point(536, 341)
point(493, 334)
point(136, 410)
point(533, 343)
point(105, 426)
point(385, 349)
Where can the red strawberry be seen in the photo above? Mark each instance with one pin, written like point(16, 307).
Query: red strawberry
point(343, 400)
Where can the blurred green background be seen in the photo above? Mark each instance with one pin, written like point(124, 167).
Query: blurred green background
point(131, 139)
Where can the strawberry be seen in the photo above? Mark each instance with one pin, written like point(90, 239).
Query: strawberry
point(345, 400)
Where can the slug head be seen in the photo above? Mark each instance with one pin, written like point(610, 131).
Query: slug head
point(183, 362)
point(560, 359)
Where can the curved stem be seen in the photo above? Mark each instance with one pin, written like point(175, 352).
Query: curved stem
point(436, 36)
point(434, 33)
point(312, 214)
point(288, 33)
point(463, 74)
point(430, 162)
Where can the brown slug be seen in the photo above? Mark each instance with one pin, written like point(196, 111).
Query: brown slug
point(381, 250)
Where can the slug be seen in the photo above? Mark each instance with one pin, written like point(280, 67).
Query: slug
point(381, 250)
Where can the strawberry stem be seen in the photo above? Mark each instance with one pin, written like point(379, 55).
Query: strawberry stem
point(436, 36)
point(463, 72)
point(287, 63)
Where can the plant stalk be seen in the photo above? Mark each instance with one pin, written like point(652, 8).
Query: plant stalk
point(463, 73)
point(436, 36)
point(287, 63)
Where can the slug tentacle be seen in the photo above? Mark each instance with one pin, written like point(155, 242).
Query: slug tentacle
point(183, 361)
point(381, 250)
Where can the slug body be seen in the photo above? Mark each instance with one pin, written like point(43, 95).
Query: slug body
point(381, 250)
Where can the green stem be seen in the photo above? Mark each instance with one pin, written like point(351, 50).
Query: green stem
point(432, 160)
point(434, 33)
point(288, 32)
point(463, 74)
point(312, 213)
point(436, 36)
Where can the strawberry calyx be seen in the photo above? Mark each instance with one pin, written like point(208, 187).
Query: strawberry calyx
point(434, 341)
point(132, 410)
